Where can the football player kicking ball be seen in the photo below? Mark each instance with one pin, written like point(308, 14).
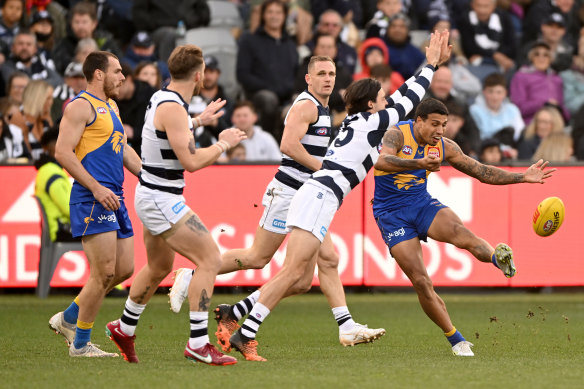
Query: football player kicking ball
point(348, 159)
point(410, 152)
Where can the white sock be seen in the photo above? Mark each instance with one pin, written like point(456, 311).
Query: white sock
point(130, 316)
point(243, 307)
point(343, 318)
point(251, 325)
point(199, 335)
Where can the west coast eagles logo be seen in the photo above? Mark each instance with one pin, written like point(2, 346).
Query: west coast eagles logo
point(117, 141)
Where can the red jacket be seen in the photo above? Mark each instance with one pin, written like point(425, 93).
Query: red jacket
point(396, 79)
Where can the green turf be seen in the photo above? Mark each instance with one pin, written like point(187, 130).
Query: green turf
point(521, 341)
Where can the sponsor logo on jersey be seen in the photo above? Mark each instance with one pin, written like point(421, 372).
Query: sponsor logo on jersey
point(101, 110)
point(279, 223)
point(176, 208)
point(329, 153)
point(107, 218)
point(435, 151)
point(379, 147)
point(319, 195)
point(323, 231)
point(407, 150)
point(321, 131)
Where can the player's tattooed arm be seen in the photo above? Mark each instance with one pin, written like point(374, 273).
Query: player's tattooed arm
point(388, 161)
point(484, 173)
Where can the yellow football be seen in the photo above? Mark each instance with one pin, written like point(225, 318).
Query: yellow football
point(548, 216)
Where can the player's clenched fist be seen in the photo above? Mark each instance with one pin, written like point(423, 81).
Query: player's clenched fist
point(232, 136)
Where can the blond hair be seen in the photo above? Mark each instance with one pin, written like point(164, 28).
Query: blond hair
point(554, 147)
point(34, 96)
point(557, 122)
point(184, 61)
point(318, 58)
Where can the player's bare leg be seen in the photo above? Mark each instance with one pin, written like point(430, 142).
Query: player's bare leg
point(447, 227)
point(408, 255)
point(350, 333)
point(265, 245)
point(193, 241)
point(102, 265)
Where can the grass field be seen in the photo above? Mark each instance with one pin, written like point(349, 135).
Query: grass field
point(521, 341)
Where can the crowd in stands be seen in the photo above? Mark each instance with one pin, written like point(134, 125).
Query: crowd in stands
point(514, 86)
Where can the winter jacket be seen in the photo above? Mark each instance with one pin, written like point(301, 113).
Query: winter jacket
point(490, 122)
point(396, 79)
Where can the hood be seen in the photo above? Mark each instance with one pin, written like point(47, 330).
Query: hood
point(372, 42)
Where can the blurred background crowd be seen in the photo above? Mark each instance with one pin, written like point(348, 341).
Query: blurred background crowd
point(514, 85)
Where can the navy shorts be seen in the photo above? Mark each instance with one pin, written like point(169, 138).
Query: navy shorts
point(91, 217)
point(408, 222)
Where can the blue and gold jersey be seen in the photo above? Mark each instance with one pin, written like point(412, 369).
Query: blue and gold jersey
point(396, 189)
point(101, 149)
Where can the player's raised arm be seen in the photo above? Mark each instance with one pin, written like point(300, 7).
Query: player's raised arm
point(301, 115)
point(173, 119)
point(76, 116)
point(487, 174)
point(388, 161)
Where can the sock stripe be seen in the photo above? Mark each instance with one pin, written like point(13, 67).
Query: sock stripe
point(199, 332)
point(248, 304)
point(129, 321)
point(247, 328)
point(130, 313)
point(84, 325)
point(193, 321)
point(254, 319)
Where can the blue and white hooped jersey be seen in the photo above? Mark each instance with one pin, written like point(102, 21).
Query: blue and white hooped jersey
point(161, 169)
point(355, 149)
point(315, 141)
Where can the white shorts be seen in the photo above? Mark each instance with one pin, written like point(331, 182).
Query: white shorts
point(159, 210)
point(313, 209)
point(276, 202)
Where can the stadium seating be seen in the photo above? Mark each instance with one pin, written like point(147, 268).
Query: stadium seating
point(220, 43)
point(224, 14)
point(51, 252)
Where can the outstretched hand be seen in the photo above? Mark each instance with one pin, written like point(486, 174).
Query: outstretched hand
point(433, 49)
point(536, 173)
point(211, 113)
point(445, 48)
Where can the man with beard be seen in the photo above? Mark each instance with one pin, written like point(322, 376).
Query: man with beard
point(91, 126)
point(24, 57)
point(168, 149)
point(212, 91)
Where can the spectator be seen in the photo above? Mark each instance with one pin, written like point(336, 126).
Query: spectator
point(83, 25)
point(203, 137)
point(536, 85)
point(377, 26)
point(132, 103)
point(259, 145)
point(349, 9)
point(546, 121)
point(540, 9)
point(325, 46)
point(41, 24)
point(492, 111)
point(211, 91)
point(12, 145)
point(84, 47)
point(161, 18)
point(578, 133)
point(553, 30)
point(298, 23)
point(10, 17)
point(404, 57)
point(386, 78)
point(236, 154)
point(142, 49)
point(16, 84)
point(488, 38)
point(331, 23)
point(491, 153)
point(573, 80)
point(149, 73)
point(35, 117)
point(74, 83)
point(267, 62)
point(24, 58)
point(441, 89)
point(464, 133)
point(556, 147)
point(53, 188)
